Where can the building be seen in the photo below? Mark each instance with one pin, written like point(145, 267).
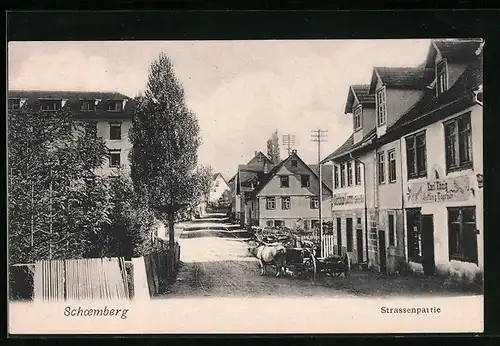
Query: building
point(112, 114)
point(287, 195)
point(442, 164)
point(247, 178)
point(218, 187)
point(353, 205)
point(423, 207)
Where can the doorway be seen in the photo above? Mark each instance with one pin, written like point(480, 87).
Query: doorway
point(382, 251)
point(428, 260)
point(359, 244)
point(339, 236)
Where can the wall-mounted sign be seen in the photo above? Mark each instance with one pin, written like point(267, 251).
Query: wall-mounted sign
point(344, 199)
point(440, 190)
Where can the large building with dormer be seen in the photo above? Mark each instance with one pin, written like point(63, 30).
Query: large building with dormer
point(421, 165)
point(110, 112)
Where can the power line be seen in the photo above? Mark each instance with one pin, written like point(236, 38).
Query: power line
point(289, 142)
point(319, 136)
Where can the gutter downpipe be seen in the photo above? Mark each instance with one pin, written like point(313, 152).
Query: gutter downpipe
point(405, 231)
point(365, 203)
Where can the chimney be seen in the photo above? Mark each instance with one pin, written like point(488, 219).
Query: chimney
point(256, 153)
point(294, 151)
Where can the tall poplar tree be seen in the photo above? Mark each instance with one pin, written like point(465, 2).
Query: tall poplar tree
point(165, 140)
point(273, 148)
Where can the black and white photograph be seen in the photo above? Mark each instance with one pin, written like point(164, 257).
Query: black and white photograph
point(255, 179)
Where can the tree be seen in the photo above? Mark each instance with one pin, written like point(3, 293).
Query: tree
point(273, 148)
point(55, 201)
point(165, 140)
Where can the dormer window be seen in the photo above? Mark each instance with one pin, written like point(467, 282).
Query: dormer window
point(87, 105)
point(50, 105)
point(441, 77)
point(14, 104)
point(115, 106)
point(381, 107)
point(358, 111)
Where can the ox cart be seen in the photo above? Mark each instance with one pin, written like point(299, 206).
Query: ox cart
point(300, 262)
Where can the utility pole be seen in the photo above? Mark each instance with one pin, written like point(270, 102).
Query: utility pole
point(319, 136)
point(289, 142)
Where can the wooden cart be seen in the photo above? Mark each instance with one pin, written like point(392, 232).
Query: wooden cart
point(334, 265)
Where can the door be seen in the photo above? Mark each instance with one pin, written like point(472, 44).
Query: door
point(359, 244)
point(339, 236)
point(428, 261)
point(349, 234)
point(382, 251)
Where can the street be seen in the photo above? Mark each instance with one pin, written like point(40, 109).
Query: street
point(217, 263)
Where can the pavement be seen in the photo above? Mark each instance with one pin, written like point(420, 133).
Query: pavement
point(217, 263)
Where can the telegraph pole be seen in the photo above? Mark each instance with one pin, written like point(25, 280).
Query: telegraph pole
point(319, 136)
point(289, 142)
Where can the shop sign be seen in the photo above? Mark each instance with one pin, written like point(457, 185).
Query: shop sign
point(345, 199)
point(440, 190)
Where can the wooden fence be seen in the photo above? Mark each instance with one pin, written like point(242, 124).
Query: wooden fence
point(81, 279)
point(158, 271)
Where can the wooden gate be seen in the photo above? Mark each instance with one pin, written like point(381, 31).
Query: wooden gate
point(81, 279)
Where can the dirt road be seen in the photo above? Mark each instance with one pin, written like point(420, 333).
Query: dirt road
point(218, 263)
point(217, 266)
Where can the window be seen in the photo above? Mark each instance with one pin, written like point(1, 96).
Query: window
point(381, 167)
point(87, 105)
point(392, 165)
point(358, 221)
point(342, 175)
point(462, 234)
point(357, 172)
point(414, 234)
point(315, 224)
point(115, 131)
point(269, 223)
point(416, 155)
point(294, 163)
point(306, 224)
point(458, 142)
point(392, 229)
point(278, 223)
point(114, 158)
point(441, 77)
point(349, 173)
point(285, 203)
point(270, 203)
point(336, 177)
point(358, 111)
point(216, 183)
point(305, 180)
point(114, 106)
point(91, 129)
point(284, 181)
point(50, 105)
point(381, 107)
point(314, 203)
point(14, 104)
point(349, 233)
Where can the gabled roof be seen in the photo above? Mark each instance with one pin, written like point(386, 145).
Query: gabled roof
point(453, 50)
point(73, 101)
point(414, 78)
point(360, 92)
point(267, 177)
point(326, 174)
point(216, 175)
point(349, 146)
point(471, 78)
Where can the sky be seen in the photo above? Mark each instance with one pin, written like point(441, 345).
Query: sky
point(241, 91)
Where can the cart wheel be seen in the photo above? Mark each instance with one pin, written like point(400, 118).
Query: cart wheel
point(310, 267)
point(347, 262)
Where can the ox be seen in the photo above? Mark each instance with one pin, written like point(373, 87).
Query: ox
point(274, 254)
